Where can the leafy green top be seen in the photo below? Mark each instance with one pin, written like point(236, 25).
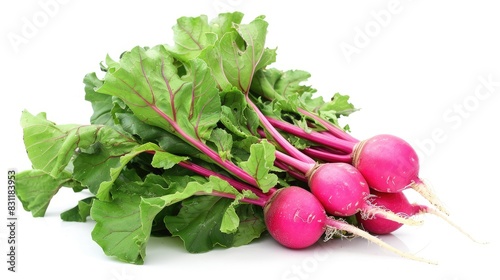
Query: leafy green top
point(157, 108)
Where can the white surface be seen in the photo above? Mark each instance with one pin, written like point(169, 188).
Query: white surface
point(411, 78)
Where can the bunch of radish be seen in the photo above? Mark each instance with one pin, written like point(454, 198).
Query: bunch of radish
point(207, 118)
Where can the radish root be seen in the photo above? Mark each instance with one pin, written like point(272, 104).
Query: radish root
point(426, 191)
point(342, 226)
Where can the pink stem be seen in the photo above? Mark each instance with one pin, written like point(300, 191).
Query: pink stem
point(260, 202)
point(301, 166)
point(293, 173)
point(280, 140)
point(332, 142)
point(236, 184)
point(334, 130)
point(202, 147)
point(327, 156)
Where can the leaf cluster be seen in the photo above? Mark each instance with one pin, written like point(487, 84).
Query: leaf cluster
point(156, 107)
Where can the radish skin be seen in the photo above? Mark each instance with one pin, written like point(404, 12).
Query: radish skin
point(343, 191)
point(295, 218)
point(390, 164)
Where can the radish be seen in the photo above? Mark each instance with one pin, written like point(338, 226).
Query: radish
point(387, 162)
point(342, 194)
point(340, 188)
point(293, 224)
point(390, 164)
point(343, 191)
point(398, 203)
point(296, 219)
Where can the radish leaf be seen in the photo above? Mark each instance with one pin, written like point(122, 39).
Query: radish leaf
point(80, 212)
point(35, 188)
point(260, 162)
point(148, 82)
point(239, 54)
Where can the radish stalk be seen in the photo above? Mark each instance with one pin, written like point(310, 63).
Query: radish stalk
point(280, 140)
point(327, 156)
point(331, 128)
point(331, 142)
point(258, 202)
point(295, 174)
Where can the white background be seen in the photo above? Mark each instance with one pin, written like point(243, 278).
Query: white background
point(415, 71)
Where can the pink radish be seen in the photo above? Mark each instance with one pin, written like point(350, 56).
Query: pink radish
point(340, 188)
point(294, 216)
point(296, 219)
point(398, 203)
point(390, 164)
point(343, 191)
point(387, 162)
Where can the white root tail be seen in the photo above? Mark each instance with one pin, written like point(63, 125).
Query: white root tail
point(339, 225)
point(374, 211)
point(425, 191)
point(453, 224)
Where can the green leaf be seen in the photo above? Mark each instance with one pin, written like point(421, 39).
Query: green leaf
point(339, 104)
point(52, 147)
point(165, 160)
point(288, 94)
point(225, 22)
point(239, 54)
point(148, 82)
point(123, 225)
point(80, 212)
point(190, 36)
point(198, 223)
point(237, 117)
point(223, 142)
point(150, 207)
point(251, 224)
point(148, 133)
point(44, 141)
point(119, 229)
point(194, 34)
point(203, 221)
point(36, 188)
point(259, 164)
point(284, 88)
point(101, 104)
point(91, 169)
point(104, 190)
point(231, 220)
